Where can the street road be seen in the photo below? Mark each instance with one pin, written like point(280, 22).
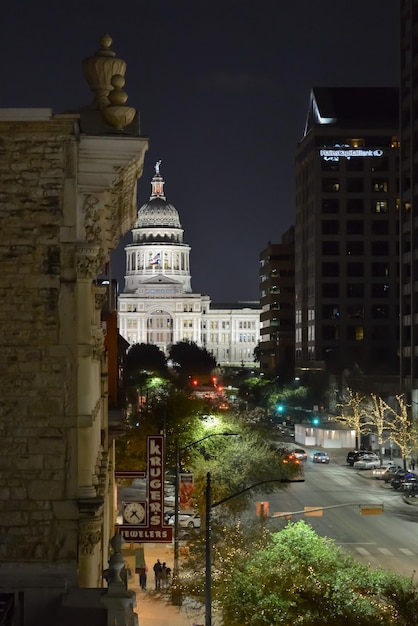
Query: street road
point(389, 540)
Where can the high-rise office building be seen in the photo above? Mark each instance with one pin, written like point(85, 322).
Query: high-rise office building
point(409, 200)
point(346, 233)
point(277, 300)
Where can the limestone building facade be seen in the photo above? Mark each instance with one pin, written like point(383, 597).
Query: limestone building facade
point(67, 189)
point(158, 305)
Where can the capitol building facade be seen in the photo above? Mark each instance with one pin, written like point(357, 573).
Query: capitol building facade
point(158, 305)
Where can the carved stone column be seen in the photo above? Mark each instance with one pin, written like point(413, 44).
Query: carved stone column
point(90, 535)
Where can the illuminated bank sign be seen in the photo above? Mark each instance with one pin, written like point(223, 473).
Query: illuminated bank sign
point(334, 154)
point(144, 521)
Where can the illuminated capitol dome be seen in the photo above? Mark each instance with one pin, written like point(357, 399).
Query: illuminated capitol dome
point(158, 306)
point(157, 254)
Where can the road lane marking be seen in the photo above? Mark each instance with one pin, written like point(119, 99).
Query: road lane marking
point(385, 551)
point(407, 551)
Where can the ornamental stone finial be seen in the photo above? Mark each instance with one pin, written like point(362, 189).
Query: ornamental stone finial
point(99, 69)
point(117, 113)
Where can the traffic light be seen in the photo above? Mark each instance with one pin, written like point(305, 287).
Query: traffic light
point(316, 421)
point(280, 408)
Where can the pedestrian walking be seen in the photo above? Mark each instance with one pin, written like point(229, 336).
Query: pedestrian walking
point(158, 568)
point(412, 463)
point(143, 577)
point(165, 573)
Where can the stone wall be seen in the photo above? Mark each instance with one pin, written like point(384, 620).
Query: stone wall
point(65, 199)
point(37, 368)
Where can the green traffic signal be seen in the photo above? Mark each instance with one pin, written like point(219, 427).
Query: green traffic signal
point(316, 421)
point(280, 408)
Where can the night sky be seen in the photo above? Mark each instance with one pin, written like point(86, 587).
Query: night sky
point(222, 87)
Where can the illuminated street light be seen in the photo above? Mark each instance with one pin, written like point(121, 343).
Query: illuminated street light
point(176, 596)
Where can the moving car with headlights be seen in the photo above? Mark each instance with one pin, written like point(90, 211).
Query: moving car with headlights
point(300, 454)
point(381, 473)
point(367, 461)
point(320, 457)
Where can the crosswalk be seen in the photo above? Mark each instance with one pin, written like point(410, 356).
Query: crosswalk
point(373, 550)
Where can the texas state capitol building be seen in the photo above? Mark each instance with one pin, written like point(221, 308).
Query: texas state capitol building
point(158, 305)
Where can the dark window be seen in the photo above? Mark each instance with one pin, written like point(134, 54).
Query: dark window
point(354, 165)
point(379, 164)
point(379, 333)
point(330, 269)
point(355, 269)
point(380, 311)
point(380, 290)
point(355, 290)
point(330, 185)
point(330, 333)
point(330, 248)
point(380, 248)
point(330, 205)
point(355, 227)
point(355, 248)
point(330, 290)
point(380, 269)
point(355, 311)
point(330, 227)
point(380, 227)
point(355, 205)
point(355, 185)
point(330, 311)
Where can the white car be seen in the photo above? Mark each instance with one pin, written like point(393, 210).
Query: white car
point(368, 461)
point(187, 520)
point(388, 468)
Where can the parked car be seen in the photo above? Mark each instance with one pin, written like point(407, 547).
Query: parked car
point(380, 473)
point(391, 474)
point(320, 457)
point(187, 520)
point(367, 461)
point(355, 455)
point(400, 478)
point(409, 485)
point(300, 454)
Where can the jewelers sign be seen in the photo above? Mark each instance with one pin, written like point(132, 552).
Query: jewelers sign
point(152, 529)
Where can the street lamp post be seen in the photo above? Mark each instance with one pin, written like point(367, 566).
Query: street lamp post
point(208, 537)
point(208, 549)
point(176, 594)
point(365, 509)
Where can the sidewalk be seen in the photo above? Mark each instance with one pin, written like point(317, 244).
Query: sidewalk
point(154, 607)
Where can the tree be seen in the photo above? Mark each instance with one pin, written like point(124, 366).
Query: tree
point(300, 578)
point(145, 357)
point(377, 419)
point(353, 414)
point(190, 360)
point(403, 430)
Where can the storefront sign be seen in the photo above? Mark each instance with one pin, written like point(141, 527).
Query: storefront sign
point(146, 519)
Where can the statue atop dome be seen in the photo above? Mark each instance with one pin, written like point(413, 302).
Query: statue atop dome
point(157, 167)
